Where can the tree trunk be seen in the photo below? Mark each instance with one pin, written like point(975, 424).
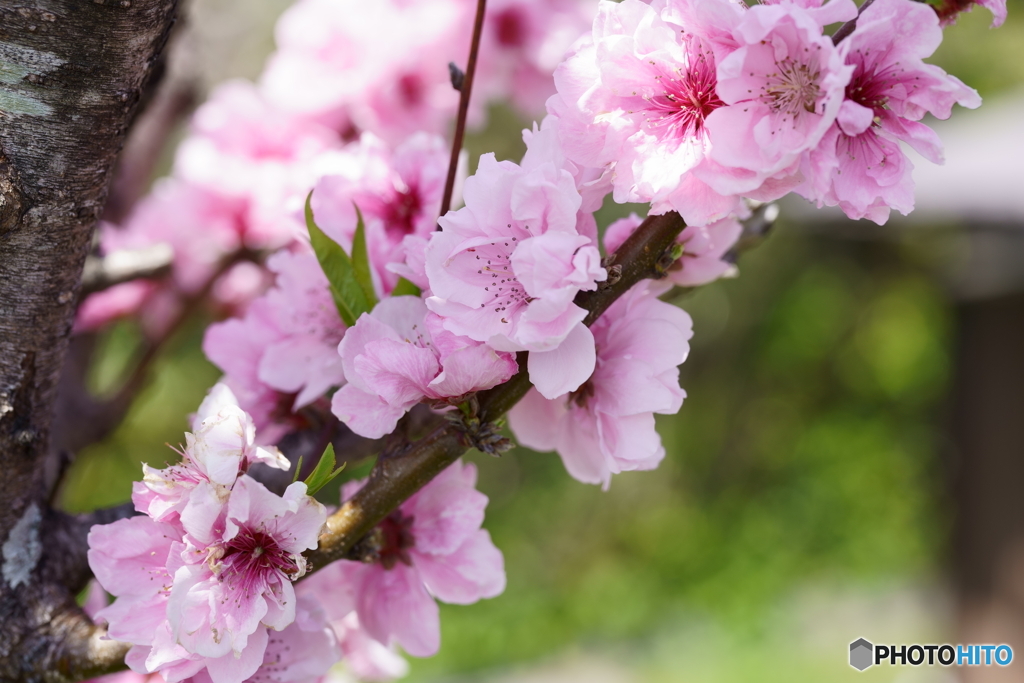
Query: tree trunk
point(71, 75)
point(988, 485)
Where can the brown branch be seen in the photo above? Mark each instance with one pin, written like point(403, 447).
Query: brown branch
point(103, 272)
point(844, 31)
point(75, 72)
point(465, 89)
point(404, 470)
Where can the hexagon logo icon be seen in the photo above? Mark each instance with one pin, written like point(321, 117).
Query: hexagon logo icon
point(861, 654)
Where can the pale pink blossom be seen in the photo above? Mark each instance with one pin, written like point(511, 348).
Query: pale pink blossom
point(120, 301)
point(505, 268)
point(607, 425)
point(201, 226)
point(704, 249)
point(635, 96)
point(859, 165)
point(400, 355)
point(398, 192)
point(522, 43)
point(242, 147)
point(240, 559)
point(432, 547)
point(130, 560)
point(95, 601)
point(301, 653)
point(544, 145)
point(378, 67)
point(220, 447)
point(285, 347)
point(782, 88)
point(368, 659)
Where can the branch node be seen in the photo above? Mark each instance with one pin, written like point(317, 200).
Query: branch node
point(458, 76)
point(667, 258)
point(484, 436)
point(614, 275)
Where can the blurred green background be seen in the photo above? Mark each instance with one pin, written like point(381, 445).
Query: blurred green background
point(802, 501)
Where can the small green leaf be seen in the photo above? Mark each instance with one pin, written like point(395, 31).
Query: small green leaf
point(298, 468)
point(405, 288)
point(348, 293)
point(361, 259)
point(324, 472)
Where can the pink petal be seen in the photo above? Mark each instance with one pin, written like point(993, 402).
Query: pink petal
point(235, 668)
point(365, 414)
point(566, 367)
point(395, 604)
point(476, 570)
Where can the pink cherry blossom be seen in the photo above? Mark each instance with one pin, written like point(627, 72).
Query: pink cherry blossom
point(431, 547)
point(301, 653)
point(368, 660)
point(285, 345)
point(241, 146)
point(397, 191)
point(782, 88)
point(399, 355)
point(636, 95)
point(130, 559)
point(201, 227)
point(607, 425)
point(704, 249)
point(172, 213)
point(505, 268)
point(119, 301)
point(859, 165)
point(221, 446)
point(239, 563)
point(544, 145)
point(522, 43)
point(380, 67)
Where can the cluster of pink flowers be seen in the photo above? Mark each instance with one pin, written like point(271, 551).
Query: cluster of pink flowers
point(695, 106)
point(203, 578)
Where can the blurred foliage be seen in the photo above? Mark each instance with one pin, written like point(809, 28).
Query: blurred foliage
point(807, 454)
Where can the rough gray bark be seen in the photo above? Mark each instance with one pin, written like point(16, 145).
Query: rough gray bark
point(71, 76)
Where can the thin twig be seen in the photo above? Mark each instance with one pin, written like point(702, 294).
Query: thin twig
point(464, 93)
point(846, 29)
point(125, 265)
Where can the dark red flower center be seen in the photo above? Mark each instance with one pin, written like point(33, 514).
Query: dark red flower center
point(396, 539)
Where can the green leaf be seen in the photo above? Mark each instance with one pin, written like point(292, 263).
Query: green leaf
point(324, 472)
point(361, 259)
point(298, 468)
point(405, 288)
point(349, 295)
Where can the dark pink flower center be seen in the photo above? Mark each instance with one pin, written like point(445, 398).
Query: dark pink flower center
point(410, 90)
point(253, 559)
point(396, 539)
point(582, 396)
point(509, 28)
point(400, 213)
point(871, 82)
point(688, 95)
